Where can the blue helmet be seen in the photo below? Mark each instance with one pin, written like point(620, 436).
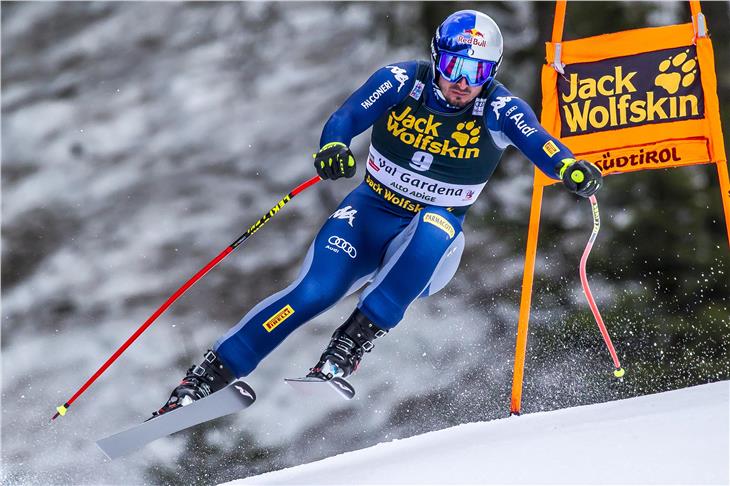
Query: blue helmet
point(468, 44)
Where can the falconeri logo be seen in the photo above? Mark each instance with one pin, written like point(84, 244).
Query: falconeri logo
point(653, 87)
point(370, 100)
point(423, 134)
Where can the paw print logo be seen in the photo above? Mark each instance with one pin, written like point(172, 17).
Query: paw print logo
point(466, 133)
point(676, 72)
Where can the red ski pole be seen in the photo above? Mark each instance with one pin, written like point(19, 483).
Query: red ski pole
point(618, 371)
point(61, 410)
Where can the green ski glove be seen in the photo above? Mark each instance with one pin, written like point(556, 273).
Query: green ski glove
point(580, 176)
point(334, 160)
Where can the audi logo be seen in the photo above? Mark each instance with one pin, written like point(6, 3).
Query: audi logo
point(343, 245)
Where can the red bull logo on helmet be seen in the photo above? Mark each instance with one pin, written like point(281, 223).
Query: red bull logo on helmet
point(472, 37)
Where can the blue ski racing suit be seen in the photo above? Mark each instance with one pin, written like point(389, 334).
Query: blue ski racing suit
point(399, 233)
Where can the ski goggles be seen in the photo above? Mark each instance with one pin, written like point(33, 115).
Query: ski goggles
point(453, 67)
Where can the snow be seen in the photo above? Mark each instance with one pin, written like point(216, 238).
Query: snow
point(676, 437)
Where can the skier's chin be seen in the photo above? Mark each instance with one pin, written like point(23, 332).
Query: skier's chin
point(459, 100)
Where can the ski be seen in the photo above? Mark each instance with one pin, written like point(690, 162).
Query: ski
point(231, 399)
point(312, 385)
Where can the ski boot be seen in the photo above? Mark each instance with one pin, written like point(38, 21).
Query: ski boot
point(349, 343)
point(199, 382)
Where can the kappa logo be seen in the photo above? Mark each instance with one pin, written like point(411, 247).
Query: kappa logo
point(399, 74)
point(341, 244)
point(243, 391)
point(676, 71)
point(345, 213)
point(499, 103)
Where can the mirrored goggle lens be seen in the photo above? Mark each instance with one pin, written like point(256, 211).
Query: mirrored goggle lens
point(453, 68)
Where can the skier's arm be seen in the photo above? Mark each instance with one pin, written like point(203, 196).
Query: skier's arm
point(511, 121)
point(387, 87)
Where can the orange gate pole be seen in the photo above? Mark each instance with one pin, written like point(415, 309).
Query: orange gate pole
point(526, 300)
point(531, 254)
point(712, 104)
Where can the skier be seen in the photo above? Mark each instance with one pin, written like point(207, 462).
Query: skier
point(439, 130)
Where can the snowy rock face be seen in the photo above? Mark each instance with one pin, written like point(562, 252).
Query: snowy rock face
point(138, 140)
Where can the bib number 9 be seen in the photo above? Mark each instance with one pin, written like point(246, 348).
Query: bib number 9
point(421, 161)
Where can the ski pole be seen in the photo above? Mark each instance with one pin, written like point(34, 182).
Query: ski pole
point(61, 410)
point(618, 371)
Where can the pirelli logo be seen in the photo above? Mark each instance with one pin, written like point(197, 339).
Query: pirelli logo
point(550, 148)
point(278, 318)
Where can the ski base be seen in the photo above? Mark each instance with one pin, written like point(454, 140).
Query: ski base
point(231, 399)
point(313, 385)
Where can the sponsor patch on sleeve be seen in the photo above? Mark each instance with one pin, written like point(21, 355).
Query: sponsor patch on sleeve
point(417, 90)
point(479, 105)
point(440, 222)
point(278, 318)
point(550, 148)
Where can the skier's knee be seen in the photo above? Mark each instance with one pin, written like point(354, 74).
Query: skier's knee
point(447, 266)
point(319, 293)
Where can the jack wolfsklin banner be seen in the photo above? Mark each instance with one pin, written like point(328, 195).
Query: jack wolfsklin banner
point(653, 87)
point(633, 100)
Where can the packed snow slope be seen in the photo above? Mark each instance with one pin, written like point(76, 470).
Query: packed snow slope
point(677, 437)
